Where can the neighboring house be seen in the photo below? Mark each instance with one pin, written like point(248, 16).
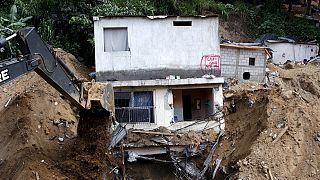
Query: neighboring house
point(154, 64)
point(243, 62)
point(283, 51)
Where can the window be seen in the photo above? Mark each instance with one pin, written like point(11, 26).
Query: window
point(134, 107)
point(246, 75)
point(252, 61)
point(116, 39)
point(182, 23)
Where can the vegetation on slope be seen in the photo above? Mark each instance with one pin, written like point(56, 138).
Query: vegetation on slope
point(68, 23)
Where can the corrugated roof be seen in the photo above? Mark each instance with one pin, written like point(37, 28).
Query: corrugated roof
point(244, 47)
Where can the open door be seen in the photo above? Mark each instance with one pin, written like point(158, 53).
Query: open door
point(187, 113)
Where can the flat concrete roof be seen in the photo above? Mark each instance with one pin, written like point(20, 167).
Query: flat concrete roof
point(168, 82)
point(96, 18)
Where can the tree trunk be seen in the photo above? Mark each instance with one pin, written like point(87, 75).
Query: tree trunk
point(290, 6)
point(308, 8)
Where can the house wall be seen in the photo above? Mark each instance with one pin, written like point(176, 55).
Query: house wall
point(157, 48)
point(293, 52)
point(235, 61)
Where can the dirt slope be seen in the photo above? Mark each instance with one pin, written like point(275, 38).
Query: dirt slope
point(248, 151)
point(39, 132)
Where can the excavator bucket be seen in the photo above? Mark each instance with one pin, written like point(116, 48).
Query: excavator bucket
point(99, 96)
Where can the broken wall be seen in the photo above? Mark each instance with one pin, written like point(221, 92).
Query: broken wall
point(235, 62)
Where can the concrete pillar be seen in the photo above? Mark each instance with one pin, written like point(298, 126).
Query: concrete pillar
point(217, 98)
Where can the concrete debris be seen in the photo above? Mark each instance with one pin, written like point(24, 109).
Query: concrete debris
point(317, 138)
point(280, 124)
point(117, 135)
point(280, 134)
point(56, 122)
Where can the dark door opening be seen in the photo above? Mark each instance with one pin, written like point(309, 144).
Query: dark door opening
point(187, 113)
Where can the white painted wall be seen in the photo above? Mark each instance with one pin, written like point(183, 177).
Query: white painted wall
point(157, 43)
point(294, 52)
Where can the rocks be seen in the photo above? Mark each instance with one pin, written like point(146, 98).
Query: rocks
point(286, 94)
point(61, 139)
point(289, 65)
point(56, 122)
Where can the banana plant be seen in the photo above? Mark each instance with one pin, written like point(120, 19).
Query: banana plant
point(9, 24)
point(12, 22)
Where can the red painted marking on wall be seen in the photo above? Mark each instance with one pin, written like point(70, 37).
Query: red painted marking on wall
point(210, 63)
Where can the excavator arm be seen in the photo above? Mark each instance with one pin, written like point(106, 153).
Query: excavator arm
point(37, 56)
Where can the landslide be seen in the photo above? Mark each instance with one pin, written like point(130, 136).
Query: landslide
point(44, 137)
point(248, 150)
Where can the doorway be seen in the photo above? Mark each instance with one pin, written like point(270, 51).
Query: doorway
point(187, 113)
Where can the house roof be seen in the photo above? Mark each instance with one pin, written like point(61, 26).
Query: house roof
point(262, 48)
point(96, 18)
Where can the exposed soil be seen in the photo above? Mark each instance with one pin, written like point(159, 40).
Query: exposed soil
point(248, 150)
point(234, 27)
point(40, 136)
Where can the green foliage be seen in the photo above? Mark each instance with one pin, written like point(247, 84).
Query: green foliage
point(12, 22)
point(120, 8)
point(9, 24)
point(68, 23)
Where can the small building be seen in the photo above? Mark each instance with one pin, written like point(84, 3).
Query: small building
point(154, 66)
point(243, 62)
point(283, 51)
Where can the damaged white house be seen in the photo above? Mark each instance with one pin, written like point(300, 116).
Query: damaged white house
point(284, 50)
point(157, 67)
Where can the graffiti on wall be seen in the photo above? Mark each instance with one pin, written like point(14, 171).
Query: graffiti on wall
point(210, 64)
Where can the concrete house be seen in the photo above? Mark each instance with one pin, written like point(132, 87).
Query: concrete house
point(156, 65)
point(283, 51)
point(243, 62)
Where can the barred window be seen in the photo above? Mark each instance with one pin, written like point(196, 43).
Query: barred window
point(134, 107)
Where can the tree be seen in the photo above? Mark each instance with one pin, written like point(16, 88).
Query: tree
point(308, 11)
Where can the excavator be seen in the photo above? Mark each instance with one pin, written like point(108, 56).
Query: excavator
point(36, 55)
